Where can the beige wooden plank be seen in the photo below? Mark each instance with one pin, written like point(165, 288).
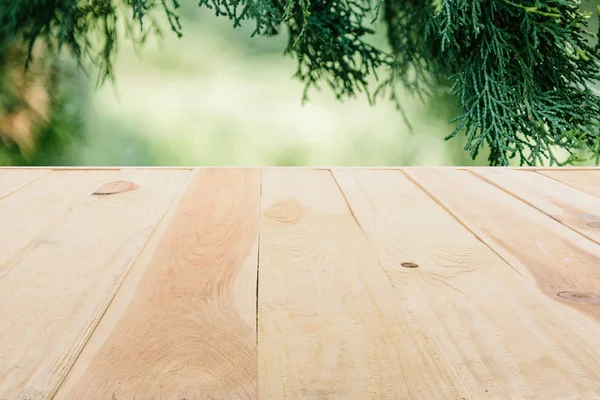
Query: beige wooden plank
point(328, 315)
point(572, 207)
point(588, 181)
point(183, 326)
point(14, 179)
point(490, 332)
point(27, 214)
point(563, 263)
point(56, 290)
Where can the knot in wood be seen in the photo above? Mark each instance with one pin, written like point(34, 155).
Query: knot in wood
point(287, 211)
point(114, 188)
point(409, 265)
point(579, 297)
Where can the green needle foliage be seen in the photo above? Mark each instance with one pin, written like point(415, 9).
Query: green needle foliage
point(522, 71)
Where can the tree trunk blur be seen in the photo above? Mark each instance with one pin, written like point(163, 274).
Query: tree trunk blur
point(25, 97)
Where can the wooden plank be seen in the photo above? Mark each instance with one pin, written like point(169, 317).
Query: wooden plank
point(27, 214)
point(490, 332)
point(588, 181)
point(328, 316)
point(14, 179)
point(574, 208)
point(57, 289)
point(563, 263)
point(183, 326)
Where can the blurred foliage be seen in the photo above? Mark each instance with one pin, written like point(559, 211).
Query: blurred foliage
point(127, 130)
point(229, 100)
point(39, 108)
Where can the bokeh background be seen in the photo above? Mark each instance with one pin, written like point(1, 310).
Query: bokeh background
point(216, 96)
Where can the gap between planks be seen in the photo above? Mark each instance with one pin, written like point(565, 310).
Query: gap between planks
point(533, 205)
point(176, 199)
point(258, 258)
point(471, 170)
point(559, 261)
point(564, 182)
point(183, 293)
point(372, 200)
point(37, 374)
point(559, 181)
point(27, 182)
point(362, 230)
point(536, 172)
point(458, 219)
point(181, 190)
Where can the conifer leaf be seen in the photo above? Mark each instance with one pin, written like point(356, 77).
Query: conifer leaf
point(521, 71)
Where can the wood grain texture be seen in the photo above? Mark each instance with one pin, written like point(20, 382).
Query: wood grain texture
point(57, 288)
point(588, 181)
point(183, 326)
point(12, 179)
point(572, 207)
point(328, 315)
point(483, 331)
point(29, 213)
point(378, 283)
point(563, 263)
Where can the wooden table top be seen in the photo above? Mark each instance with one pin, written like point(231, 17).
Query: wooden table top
point(287, 283)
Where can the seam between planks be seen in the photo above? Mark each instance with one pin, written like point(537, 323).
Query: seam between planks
point(568, 184)
point(457, 218)
point(362, 231)
point(180, 192)
point(258, 256)
point(34, 244)
point(26, 184)
point(516, 196)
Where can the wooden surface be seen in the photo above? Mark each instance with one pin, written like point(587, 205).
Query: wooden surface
point(284, 283)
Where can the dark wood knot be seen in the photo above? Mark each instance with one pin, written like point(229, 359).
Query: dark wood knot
point(579, 297)
point(409, 265)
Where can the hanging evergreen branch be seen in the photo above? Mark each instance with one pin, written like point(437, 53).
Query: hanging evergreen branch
point(524, 80)
point(520, 70)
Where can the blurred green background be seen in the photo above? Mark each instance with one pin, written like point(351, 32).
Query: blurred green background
point(219, 97)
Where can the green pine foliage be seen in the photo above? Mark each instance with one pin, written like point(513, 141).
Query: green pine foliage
point(521, 70)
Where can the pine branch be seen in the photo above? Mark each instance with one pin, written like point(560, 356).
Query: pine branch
point(521, 71)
